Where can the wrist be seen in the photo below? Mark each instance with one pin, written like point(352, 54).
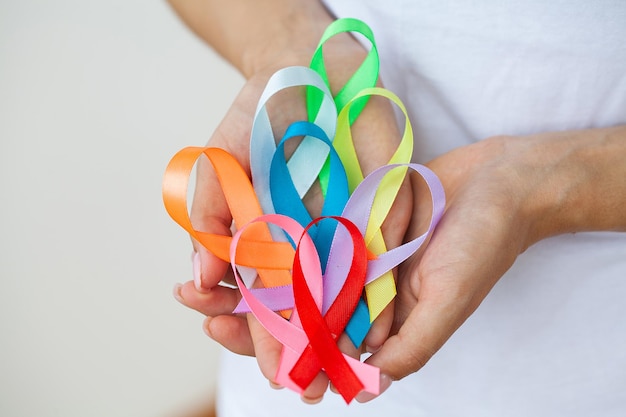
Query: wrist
point(294, 40)
point(290, 39)
point(572, 181)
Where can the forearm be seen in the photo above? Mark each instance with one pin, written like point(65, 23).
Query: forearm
point(581, 182)
point(250, 34)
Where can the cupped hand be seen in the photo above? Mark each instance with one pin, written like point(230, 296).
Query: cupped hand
point(503, 194)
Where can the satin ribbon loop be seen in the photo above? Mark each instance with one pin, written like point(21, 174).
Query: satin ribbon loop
point(364, 196)
point(272, 259)
point(310, 152)
point(285, 197)
point(365, 76)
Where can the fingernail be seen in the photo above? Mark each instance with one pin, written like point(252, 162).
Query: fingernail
point(205, 326)
point(177, 293)
point(372, 349)
point(385, 382)
point(309, 400)
point(197, 272)
point(275, 386)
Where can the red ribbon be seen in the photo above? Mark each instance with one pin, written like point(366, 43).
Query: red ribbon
point(322, 351)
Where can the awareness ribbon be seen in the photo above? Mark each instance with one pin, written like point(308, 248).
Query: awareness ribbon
point(381, 291)
point(272, 259)
point(365, 76)
point(286, 199)
point(310, 152)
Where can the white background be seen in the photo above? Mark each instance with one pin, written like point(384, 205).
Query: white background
point(95, 97)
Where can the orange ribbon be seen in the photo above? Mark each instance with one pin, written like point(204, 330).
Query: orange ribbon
point(273, 260)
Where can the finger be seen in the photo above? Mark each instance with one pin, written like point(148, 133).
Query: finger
point(345, 345)
point(314, 393)
point(422, 317)
point(231, 332)
point(217, 301)
point(379, 332)
point(421, 335)
point(446, 287)
point(266, 348)
point(268, 352)
point(209, 213)
point(431, 306)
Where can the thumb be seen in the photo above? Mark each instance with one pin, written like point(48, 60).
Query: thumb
point(209, 214)
point(424, 331)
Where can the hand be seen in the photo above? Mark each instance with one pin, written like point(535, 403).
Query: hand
point(503, 195)
point(373, 134)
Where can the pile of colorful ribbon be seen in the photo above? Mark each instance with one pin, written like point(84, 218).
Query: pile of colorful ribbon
point(318, 277)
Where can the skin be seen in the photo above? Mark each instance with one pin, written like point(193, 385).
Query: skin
point(503, 194)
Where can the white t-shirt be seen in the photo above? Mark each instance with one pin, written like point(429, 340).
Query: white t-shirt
point(550, 338)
